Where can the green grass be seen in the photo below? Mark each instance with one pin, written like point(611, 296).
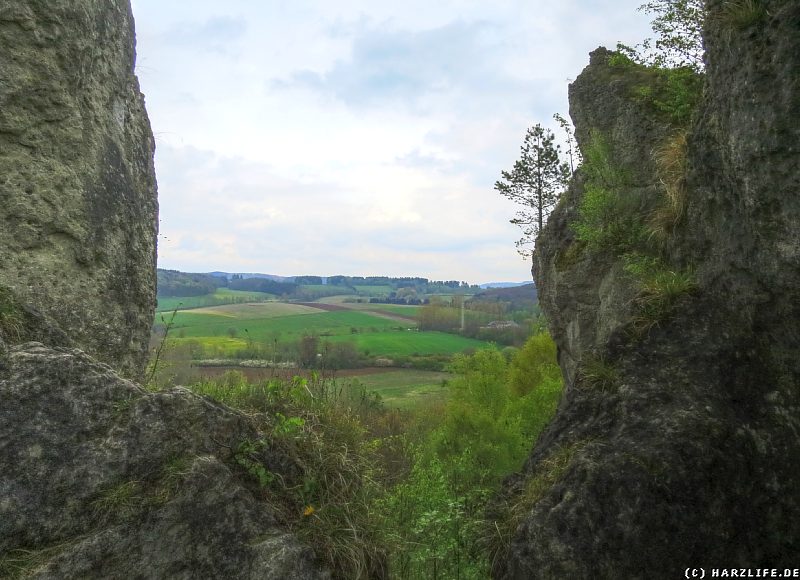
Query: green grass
point(198, 324)
point(228, 330)
point(213, 346)
point(251, 311)
point(396, 309)
point(410, 343)
point(399, 309)
point(221, 296)
point(405, 388)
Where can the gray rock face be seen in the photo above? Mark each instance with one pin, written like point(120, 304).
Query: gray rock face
point(100, 479)
point(78, 217)
point(691, 459)
point(592, 303)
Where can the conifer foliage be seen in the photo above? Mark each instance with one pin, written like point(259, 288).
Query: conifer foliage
point(535, 183)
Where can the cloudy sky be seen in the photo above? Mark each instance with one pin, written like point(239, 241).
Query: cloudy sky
point(358, 137)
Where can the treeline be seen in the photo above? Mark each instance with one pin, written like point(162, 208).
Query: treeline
point(399, 290)
point(400, 301)
point(491, 321)
point(408, 283)
point(175, 283)
point(375, 281)
point(263, 285)
point(515, 298)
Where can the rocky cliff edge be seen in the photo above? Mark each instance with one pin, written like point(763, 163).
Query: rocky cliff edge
point(677, 443)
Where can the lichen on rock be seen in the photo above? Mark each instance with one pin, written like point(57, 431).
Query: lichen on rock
point(79, 211)
point(102, 479)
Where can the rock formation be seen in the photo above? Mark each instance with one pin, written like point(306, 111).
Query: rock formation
point(677, 443)
point(78, 217)
point(101, 479)
point(98, 477)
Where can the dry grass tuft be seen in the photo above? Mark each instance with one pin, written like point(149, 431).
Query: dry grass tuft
point(670, 161)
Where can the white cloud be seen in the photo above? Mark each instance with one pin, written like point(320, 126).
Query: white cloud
point(354, 137)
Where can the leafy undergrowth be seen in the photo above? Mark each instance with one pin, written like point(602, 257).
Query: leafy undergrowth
point(380, 492)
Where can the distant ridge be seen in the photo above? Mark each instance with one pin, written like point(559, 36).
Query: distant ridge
point(503, 284)
point(245, 276)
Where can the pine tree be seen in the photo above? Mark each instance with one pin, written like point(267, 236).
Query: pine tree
point(535, 183)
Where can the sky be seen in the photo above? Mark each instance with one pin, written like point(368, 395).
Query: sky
point(356, 137)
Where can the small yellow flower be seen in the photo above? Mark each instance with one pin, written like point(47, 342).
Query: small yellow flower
point(309, 510)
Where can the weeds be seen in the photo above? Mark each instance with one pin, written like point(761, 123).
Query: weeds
point(169, 481)
point(596, 372)
point(154, 364)
point(119, 502)
point(22, 563)
point(659, 289)
point(570, 256)
point(672, 93)
point(326, 486)
point(609, 215)
point(548, 472)
point(741, 14)
point(670, 161)
point(11, 322)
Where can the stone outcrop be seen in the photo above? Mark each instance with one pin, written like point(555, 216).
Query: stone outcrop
point(101, 479)
point(78, 217)
point(687, 454)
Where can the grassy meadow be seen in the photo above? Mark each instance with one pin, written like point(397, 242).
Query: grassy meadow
point(406, 388)
point(221, 296)
point(374, 330)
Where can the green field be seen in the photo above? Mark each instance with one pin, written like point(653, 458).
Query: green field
point(409, 311)
point(399, 309)
point(409, 343)
point(258, 310)
point(265, 328)
point(224, 330)
point(221, 296)
point(405, 388)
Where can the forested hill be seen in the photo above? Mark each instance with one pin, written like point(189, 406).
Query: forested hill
point(176, 283)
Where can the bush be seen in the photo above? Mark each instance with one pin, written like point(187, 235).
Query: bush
point(327, 483)
point(671, 93)
point(609, 216)
point(659, 289)
point(485, 432)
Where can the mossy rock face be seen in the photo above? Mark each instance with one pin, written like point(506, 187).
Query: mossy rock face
point(79, 214)
point(20, 322)
point(102, 479)
point(692, 457)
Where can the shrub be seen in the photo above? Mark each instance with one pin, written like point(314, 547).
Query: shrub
point(326, 496)
point(484, 433)
point(534, 364)
point(659, 289)
point(609, 216)
point(671, 93)
point(598, 373)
